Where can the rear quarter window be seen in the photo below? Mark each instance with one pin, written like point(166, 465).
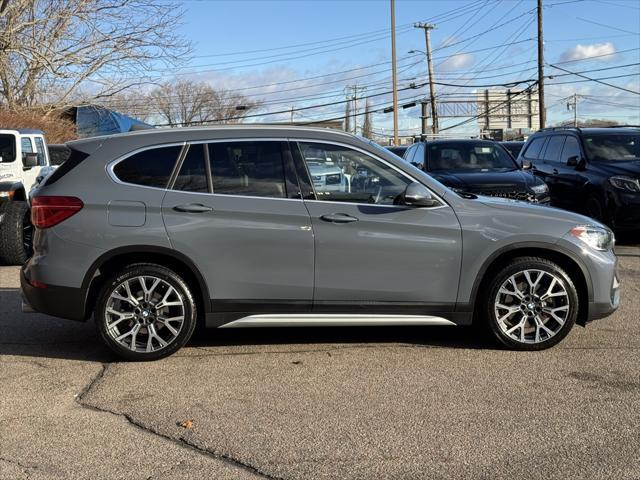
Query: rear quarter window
point(149, 168)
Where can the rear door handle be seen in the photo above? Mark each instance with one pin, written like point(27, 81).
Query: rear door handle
point(555, 171)
point(193, 208)
point(338, 218)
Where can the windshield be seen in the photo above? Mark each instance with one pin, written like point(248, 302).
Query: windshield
point(470, 157)
point(607, 148)
point(7, 148)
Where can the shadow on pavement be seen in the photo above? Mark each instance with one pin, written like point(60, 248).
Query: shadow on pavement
point(36, 335)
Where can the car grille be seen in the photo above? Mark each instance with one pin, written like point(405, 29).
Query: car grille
point(511, 194)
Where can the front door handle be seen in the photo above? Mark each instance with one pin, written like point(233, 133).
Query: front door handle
point(338, 218)
point(193, 208)
point(555, 171)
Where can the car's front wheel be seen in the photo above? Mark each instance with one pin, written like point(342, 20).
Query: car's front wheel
point(145, 312)
point(532, 304)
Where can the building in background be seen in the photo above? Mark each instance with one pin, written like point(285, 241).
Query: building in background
point(506, 114)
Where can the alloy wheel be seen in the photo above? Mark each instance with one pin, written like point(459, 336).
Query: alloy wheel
point(144, 314)
point(532, 306)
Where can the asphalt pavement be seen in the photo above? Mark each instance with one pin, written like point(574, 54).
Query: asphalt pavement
point(367, 403)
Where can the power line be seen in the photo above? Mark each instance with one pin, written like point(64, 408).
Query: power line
point(597, 80)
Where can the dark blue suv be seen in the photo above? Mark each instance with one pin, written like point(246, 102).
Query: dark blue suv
point(595, 171)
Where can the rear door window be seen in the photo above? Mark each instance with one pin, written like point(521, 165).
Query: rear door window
point(193, 173)
point(150, 168)
point(554, 148)
point(253, 169)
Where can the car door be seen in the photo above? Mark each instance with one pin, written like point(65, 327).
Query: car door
point(29, 173)
point(569, 181)
point(374, 254)
point(235, 209)
point(551, 165)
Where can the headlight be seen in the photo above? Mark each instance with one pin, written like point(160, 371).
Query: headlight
point(538, 189)
point(597, 238)
point(625, 183)
point(7, 194)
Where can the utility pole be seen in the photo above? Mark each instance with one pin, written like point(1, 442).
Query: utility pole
point(542, 112)
point(292, 114)
point(394, 72)
point(427, 27)
point(573, 105)
point(352, 96)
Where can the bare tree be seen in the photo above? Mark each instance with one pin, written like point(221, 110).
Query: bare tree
point(187, 102)
point(367, 126)
point(58, 52)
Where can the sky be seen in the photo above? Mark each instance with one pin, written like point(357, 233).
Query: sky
point(263, 49)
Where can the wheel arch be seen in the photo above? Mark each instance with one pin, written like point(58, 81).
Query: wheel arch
point(19, 192)
point(116, 259)
point(570, 262)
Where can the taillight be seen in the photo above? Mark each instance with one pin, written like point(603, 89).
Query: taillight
point(48, 211)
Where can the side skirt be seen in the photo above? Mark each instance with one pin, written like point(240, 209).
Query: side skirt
point(321, 320)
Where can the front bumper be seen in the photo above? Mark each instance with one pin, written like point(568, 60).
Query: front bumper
point(599, 310)
point(63, 302)
point(626, 211)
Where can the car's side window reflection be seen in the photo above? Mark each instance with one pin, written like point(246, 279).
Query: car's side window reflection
point(341, 174)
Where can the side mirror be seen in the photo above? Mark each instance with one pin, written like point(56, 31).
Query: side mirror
point(526, 165)
point(572, 161)
point(417, 195)
point(29, 159)
point(576, 162)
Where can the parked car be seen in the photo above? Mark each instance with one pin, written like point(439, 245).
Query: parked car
point(24, 162)
point(594, 171)
point(481, 167)
point(398, 149)
point(154, 231)
point(513, 147)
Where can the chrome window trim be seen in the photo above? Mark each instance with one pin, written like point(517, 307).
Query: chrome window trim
point(111, 165)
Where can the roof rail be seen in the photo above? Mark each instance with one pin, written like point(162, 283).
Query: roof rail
point(622, 126)
point(549, 129)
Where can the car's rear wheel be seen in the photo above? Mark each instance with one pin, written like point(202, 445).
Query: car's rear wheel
point(532, 304)
point(16, 233)
point(146, 312)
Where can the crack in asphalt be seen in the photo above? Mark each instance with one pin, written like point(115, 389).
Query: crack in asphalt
point(180, 441)
point(25, 468)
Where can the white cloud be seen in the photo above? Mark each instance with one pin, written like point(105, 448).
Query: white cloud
point(580, 52)
point(456, 62)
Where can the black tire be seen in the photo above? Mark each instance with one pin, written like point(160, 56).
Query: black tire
point(131, 273)
point(595, 209)
point(16, 234)
point(516, 267)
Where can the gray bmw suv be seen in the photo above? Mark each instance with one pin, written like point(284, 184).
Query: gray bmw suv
point(154, 231)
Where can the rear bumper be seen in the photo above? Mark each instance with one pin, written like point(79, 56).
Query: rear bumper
point(63, 302)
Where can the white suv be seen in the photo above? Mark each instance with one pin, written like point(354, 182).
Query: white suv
point(24, 162)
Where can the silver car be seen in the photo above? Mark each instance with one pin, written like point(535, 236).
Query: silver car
point(152, 232)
